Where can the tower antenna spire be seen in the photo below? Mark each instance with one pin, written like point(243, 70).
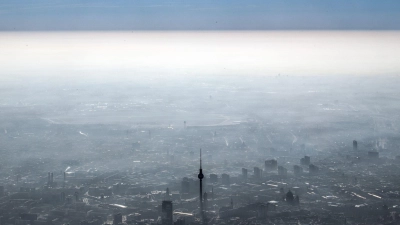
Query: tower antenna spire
point(200, 158)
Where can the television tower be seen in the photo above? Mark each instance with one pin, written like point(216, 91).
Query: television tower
point(201, 176)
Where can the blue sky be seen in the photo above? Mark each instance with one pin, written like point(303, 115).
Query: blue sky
point(200, 15)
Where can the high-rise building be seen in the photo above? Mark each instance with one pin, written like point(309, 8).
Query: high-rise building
point(297, 170)
point(205, 199)
point(305, 161)
point(62, 197)
point(257, 173)
point(313, 168)
point(282, 171)
point(271, 165)
point(244, 173)
point(185, 185)
point(355, 145)
point(166, 217)
point(225, 179)
point(213, 178)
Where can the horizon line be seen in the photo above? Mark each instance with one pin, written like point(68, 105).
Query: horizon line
point(188, 30)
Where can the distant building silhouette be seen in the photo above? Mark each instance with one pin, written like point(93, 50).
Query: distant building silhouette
point(305, 161)
point(257, 173)
point(166, 216)
point(117, 219)
point(62, 197)
point(244, 173)
point(282, 171)
point(205, 201)
point(355, 147)
point(313, 168)
point(271, 165)
point(373, 154)
point(213, 178)
point(225, 179)
point(185, 185)
point(1, 191)
point(297, 170)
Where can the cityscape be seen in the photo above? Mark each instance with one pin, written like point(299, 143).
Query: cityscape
point(176, 112)
point(329, 157)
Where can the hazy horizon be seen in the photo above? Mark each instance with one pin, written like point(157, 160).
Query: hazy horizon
point(266, 53)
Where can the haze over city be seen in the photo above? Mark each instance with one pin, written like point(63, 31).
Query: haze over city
point(178, 112)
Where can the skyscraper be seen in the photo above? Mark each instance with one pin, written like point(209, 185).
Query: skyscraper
point(297, 170)
point(205, 199)
point(244, 173)
point(257, 173)
point(185, 185)
point(271, 165)
point(166, 218)
point(225, 178)
point(282, 171)
point(213, 178)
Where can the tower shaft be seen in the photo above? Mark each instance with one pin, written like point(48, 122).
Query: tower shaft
point(201, 176)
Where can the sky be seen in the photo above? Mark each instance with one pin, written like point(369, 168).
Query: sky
point(259, 37)
point(25, 15)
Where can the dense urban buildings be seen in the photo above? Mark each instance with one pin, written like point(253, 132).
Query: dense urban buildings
point(256, 166)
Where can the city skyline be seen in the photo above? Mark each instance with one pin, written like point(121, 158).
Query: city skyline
point(181, 112)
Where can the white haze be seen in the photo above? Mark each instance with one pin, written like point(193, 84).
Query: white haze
point(200, 53)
